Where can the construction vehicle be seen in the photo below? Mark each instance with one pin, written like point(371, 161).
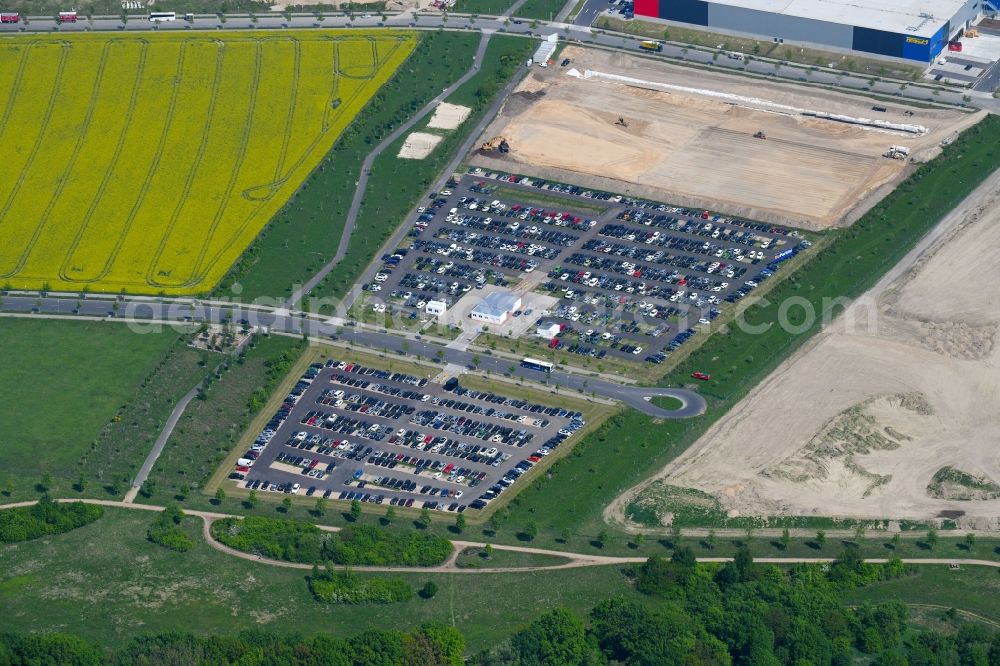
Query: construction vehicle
point(759, 134)
point(971, 33)
point(897, 153)
point(496, 143)
point(650, 45)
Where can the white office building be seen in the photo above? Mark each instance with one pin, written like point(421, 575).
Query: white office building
point(496, 307)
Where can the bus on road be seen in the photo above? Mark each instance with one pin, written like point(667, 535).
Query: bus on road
point(158, 17)
point(10, 17)
point(67, 17)
point(535, 364)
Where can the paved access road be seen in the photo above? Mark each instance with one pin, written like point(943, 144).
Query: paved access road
point(148, 314)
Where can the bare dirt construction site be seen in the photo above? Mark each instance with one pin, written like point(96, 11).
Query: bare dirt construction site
point(686, 136)
point(887, 416)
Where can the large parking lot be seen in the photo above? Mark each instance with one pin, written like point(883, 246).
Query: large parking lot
point(347, 431)
point(633, 278)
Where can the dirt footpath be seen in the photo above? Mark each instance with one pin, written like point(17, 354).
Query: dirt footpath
point(696, 146)
point(889, 413)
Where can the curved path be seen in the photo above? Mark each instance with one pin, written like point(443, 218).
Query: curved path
point(359, 192)
point(575, 560)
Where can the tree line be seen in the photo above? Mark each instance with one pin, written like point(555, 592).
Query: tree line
point(430, 644)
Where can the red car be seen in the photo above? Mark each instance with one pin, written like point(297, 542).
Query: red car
point(701, 375)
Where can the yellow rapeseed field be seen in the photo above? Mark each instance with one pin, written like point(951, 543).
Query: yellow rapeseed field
point(149, 162)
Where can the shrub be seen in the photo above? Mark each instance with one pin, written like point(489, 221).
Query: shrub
point(345, 587)
point(46, 517)
point(357, 545)
point(166, 531)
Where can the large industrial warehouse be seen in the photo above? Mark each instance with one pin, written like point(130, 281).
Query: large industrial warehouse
point(913, 30)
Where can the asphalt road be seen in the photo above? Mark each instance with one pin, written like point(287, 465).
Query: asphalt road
point(580, 33)
point(150, 314)
point(590, 12)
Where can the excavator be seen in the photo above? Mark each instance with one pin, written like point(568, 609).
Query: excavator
point(496, 143)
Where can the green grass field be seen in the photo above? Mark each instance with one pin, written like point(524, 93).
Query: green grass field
point(210, 427)
point(148, 163)
point(477, 558)
point(975, 590)
point(61, 384)
point(88, 587)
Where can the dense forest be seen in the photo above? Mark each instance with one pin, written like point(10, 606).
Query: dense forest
point(740, 612)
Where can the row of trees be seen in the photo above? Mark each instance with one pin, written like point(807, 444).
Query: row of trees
point(357, 545)
point(45, 517)
point(743, 613)
point(430, 644)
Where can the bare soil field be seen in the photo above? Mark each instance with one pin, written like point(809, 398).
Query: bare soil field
point(690, 140)
point(891, 412)
point(418, 145)
point(448, 116)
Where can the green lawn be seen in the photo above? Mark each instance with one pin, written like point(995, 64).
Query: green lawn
point(540, 9)
point(476, 558)
point(974, 590)
point(666, 402)
point(488, 7)
point(210, 427)
point(107, 582)
point(61, 383)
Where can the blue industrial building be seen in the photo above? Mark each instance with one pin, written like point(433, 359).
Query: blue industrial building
point(912, 30)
